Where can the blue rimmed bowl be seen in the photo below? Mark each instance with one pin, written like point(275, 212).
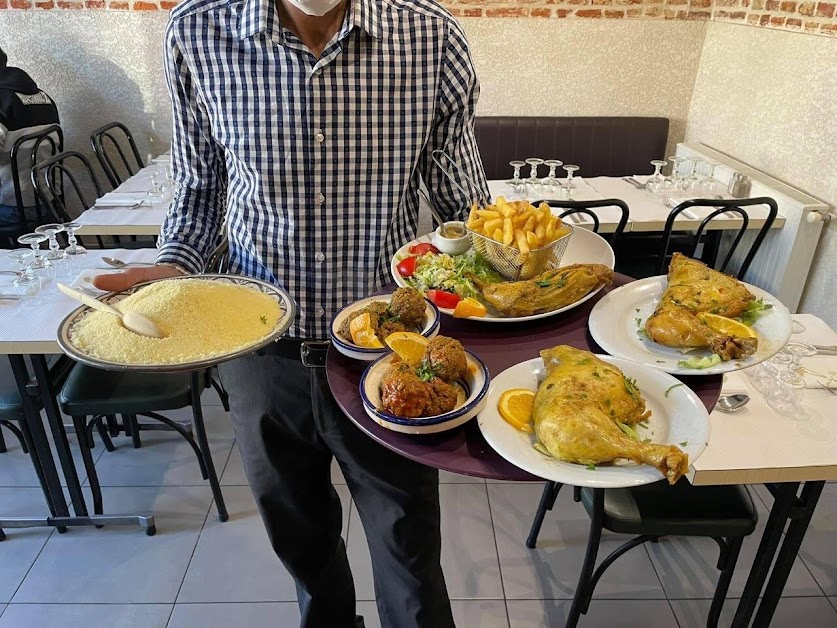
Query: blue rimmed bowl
point(474, 389)
point(351, 350)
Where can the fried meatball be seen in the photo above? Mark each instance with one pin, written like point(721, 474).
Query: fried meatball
point(408, 305)
point(374, 309)
point(385, 328)
point(403, 393)
point(442, 397)
point(447, 358)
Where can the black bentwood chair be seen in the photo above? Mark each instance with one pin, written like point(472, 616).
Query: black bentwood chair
point(731, 208)
point(22, 157)
point(585, 208)
point(725, 514)
point(108, 142)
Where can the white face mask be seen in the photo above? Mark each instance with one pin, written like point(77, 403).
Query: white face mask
point(315, 7)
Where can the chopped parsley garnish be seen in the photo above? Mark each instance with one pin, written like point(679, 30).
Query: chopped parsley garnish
point(263, 319)
point(558, 283)
point(596, 375)
point(630, 386)
point(670, 388)
point(646, 440)
point(660, 361)
point(591, 467)
point(583, 362)
point(685, 443)
point(425, 371)
point(754, 310)
point(630, 432)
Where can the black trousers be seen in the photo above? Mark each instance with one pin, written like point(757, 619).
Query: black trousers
point(288, 427)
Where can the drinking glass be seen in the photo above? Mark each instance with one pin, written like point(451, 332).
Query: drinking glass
point(676, 163)
point(56, 256)
point(40, 265)
point(551, 181)
point(690, 183)
point(709, 184)
point(155, 194)
point(655, 181)
point(533, 180)
point(797, 327)
point(516, 183)
point(568, 187)
point(75, 251)
point(26, 283)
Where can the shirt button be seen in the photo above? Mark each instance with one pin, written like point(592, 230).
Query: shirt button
point(317, 72)
point(319, 257)
point(320, 311)
point(320, 198)
point(319, 137)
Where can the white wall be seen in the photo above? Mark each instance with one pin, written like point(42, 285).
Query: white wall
point(769, 98)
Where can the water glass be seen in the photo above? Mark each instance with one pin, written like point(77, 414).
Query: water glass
point(56, 256)
point(40, 265)
point(654, 185)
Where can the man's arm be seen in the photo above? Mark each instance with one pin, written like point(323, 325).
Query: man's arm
point(453, 130)
point(194, 220)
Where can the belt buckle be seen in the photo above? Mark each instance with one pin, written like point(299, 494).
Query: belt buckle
point(313, 353)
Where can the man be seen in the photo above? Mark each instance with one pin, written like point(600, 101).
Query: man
point(24, 109)
point(308, 126)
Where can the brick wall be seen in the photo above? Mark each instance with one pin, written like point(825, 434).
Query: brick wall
point(808, 16)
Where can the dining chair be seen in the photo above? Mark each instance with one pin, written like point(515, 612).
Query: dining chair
point(586, 208)
point(99, 394)
point(11, 418)
point(108, 142)
point(741, 237)
point(49, 141)
point(725, 514)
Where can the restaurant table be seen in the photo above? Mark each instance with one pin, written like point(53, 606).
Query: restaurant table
point(465, 451)
point(29, 328)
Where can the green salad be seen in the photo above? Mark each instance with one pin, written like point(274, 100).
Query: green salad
point(453, 273)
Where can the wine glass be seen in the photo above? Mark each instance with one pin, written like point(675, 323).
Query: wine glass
point(551, 181)
point(56, 256)
point(690, 184)
point(709, 184)
point(568, 188)
point(74, 250)
point(797, 327)
point(26, 283)
point(40, 264)
point(516, 183)
point(676, 163)
point(155, 194)
point(655, 181)
point(533, 179)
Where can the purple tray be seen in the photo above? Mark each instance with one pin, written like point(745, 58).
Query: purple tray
point(463, 450)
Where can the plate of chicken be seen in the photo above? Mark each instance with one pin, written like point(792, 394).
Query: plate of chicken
point(425, 386)
point(594, 420)
point(468, 286)
point(693, 321)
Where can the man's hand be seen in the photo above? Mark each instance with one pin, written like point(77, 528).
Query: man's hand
point(117, 282)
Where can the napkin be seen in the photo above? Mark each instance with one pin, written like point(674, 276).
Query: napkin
point(120, 199)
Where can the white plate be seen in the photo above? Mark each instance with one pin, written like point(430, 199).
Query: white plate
point(351, 350)
point(613, 325)
point(679, 418)
point(474, 385)
point(584, 247)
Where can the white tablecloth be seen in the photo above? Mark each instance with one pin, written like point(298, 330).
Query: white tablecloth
point(30, 324)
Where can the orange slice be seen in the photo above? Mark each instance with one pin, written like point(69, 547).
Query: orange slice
point(408, 345)
point(516, 406)
point(363, 335)
point(727, 326)
point(469, 307)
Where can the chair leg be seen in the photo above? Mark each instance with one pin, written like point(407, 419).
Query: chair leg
point(548, 497)
point(728, 561)
point(132, 428)
point(576, 494)
point(3, 449)
point(222, 393)
point(583, 591)
point(103, 433)
point(113, 425)
point(200, 432)
point(80, 425)
point(18, 432)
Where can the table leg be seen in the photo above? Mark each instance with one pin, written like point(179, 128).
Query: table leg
point(779, 513)
point(59, 434)
point(39, 448)
point(801, 515)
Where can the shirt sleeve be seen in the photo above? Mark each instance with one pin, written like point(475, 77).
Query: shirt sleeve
point(453, 132)
point(195, 216)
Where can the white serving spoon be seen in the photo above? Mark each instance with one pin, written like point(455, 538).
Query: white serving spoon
point(132, 321)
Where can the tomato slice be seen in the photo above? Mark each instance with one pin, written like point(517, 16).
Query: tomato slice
point(443, 299)
point(406, 267)
point(424, 247)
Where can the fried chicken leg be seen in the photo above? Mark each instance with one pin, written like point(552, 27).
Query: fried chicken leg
point(579, 406)
point(694, 288)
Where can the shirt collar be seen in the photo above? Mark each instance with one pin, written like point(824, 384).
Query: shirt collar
point(258, 16)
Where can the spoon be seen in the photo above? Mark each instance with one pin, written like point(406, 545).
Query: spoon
point(733, 403)
point(132, 321)
point(118, 263)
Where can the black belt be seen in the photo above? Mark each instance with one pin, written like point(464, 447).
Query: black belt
point(311, 353)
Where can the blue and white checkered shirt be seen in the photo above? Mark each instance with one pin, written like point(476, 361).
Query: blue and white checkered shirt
point(314, 163)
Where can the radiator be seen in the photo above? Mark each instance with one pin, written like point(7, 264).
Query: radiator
point(782, 264)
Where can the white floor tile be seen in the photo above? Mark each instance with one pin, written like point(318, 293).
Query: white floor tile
point(165, 459)
point(86, 616)
point(241, 615)
point(22, 546)
point(602, 614)
point(792, 612)
point(469, 559)
point(2, 609)
point(833, 601)
point(234, 473)
point(234, 562)
point(121, 564)
point(686, 566)
point(551, 570)
point(819, 549)
point(466, 614)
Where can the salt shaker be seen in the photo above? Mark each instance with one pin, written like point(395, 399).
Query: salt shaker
point(739, 186)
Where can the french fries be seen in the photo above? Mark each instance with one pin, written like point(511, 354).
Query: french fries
point(518, 224)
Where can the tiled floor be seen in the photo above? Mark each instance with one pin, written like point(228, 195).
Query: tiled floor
point(200, 573)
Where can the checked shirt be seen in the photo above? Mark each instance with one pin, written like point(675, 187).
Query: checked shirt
point(312, 166)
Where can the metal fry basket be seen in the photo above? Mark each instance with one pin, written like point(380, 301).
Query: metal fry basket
point(517, 266)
